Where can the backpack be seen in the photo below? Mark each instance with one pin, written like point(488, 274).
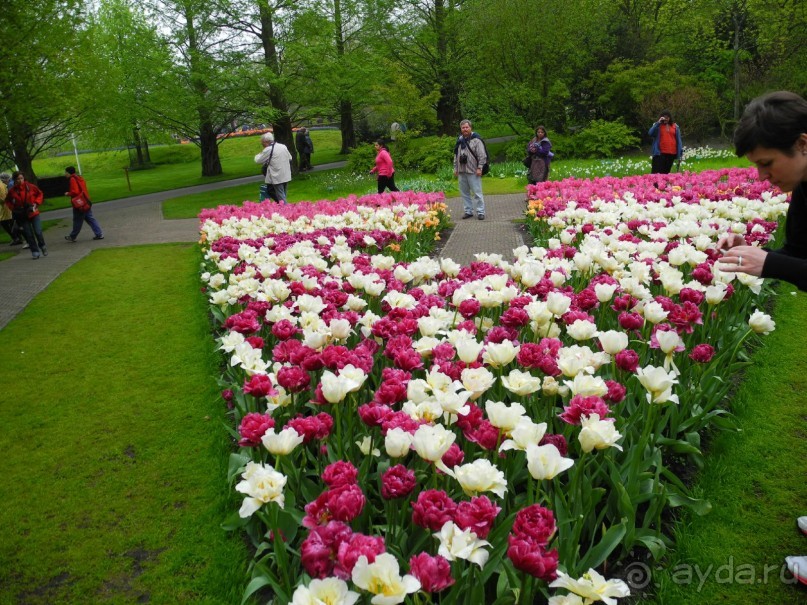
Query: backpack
point(486, 165)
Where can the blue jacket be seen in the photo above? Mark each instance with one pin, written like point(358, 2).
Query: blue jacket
point(654, 132)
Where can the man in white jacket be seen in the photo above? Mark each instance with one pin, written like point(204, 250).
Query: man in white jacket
point(277, 161)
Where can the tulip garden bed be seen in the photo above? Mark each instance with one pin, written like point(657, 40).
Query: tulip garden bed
point(413, 430)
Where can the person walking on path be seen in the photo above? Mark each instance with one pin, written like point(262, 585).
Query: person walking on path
point(6, 219)
point(276, 161)
point(540, 155)
point(82, 206)
point(23, 200)
point(469, 157)
point(305, 147)
point(384, 169)
point(667, 145)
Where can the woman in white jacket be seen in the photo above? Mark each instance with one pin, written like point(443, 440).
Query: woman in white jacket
point(276, 161)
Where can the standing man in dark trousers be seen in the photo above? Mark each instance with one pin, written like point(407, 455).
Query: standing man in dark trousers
point(667, 145)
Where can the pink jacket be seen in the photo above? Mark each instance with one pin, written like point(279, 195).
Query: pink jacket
point(383, 163)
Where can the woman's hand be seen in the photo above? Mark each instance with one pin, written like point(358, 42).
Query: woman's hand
point(728, 241)
point(743, 259)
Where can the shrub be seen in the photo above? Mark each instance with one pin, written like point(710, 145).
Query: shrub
point(602, 139)
point(429, 155)
point(362, 158)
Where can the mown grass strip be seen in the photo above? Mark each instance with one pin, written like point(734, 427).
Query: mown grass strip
point(756, 482)
point(113, 442)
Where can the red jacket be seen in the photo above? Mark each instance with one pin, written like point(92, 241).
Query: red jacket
point(77, 189)
point(25, 193)
point(383, 163)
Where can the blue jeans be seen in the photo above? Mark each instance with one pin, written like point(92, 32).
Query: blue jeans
point(471, 192)
point(32, 230)
point(79, 218)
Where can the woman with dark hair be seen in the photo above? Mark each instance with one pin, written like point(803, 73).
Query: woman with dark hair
point(667, 145)
point(24, 200)
point(540, 157)
point(772, 134)
point(82, 205)
point(383, 167)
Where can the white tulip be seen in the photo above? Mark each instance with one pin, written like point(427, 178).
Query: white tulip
point(398, 442)
point(598, 434)
point(456, 543)
point(545, 461)
point(432, 442)
point(383, 579)
point(761, 323)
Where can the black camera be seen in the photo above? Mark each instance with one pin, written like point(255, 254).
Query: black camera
point(463, 158)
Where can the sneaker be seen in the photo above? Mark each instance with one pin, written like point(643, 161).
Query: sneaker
point(481, 217)
point(44, 251)
point(466, 215)
point(35, 255)
point(798, 567)
point(70, 239)
point(25, 247)
point(16, 242)
point(99, 237)
point(802, 523)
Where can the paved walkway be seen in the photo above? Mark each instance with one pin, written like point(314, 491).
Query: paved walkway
point(138, 220)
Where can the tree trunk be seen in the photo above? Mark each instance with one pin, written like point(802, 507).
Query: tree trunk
point(448, 105)
point(448, 108)
point(138, 145)
point(737, 27)
point(22, 156)
point(346, 126)
point(345, 105)
point(211, 163)
point(282, 125)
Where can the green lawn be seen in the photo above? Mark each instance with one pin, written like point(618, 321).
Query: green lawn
point(175, 166)
point(755, 480)
point(113, 441)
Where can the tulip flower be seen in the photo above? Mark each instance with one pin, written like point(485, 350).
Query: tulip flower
point(382, 578)
point(598, 434)
point(262, 484)
point(593, 587)
point(456, 543)
point(545, 461)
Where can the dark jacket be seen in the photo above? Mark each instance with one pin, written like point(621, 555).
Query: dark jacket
point(790, 261)
point(304, 142)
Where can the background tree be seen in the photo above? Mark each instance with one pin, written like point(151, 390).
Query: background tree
point(42, 51)
point(129, 56)
point(424, 39)
point(202, 95)
point(265, 27)
point(526, 63)
point(338, 56)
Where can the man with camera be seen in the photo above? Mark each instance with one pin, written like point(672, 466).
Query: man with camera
point(667, 146)
point(469, 157)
